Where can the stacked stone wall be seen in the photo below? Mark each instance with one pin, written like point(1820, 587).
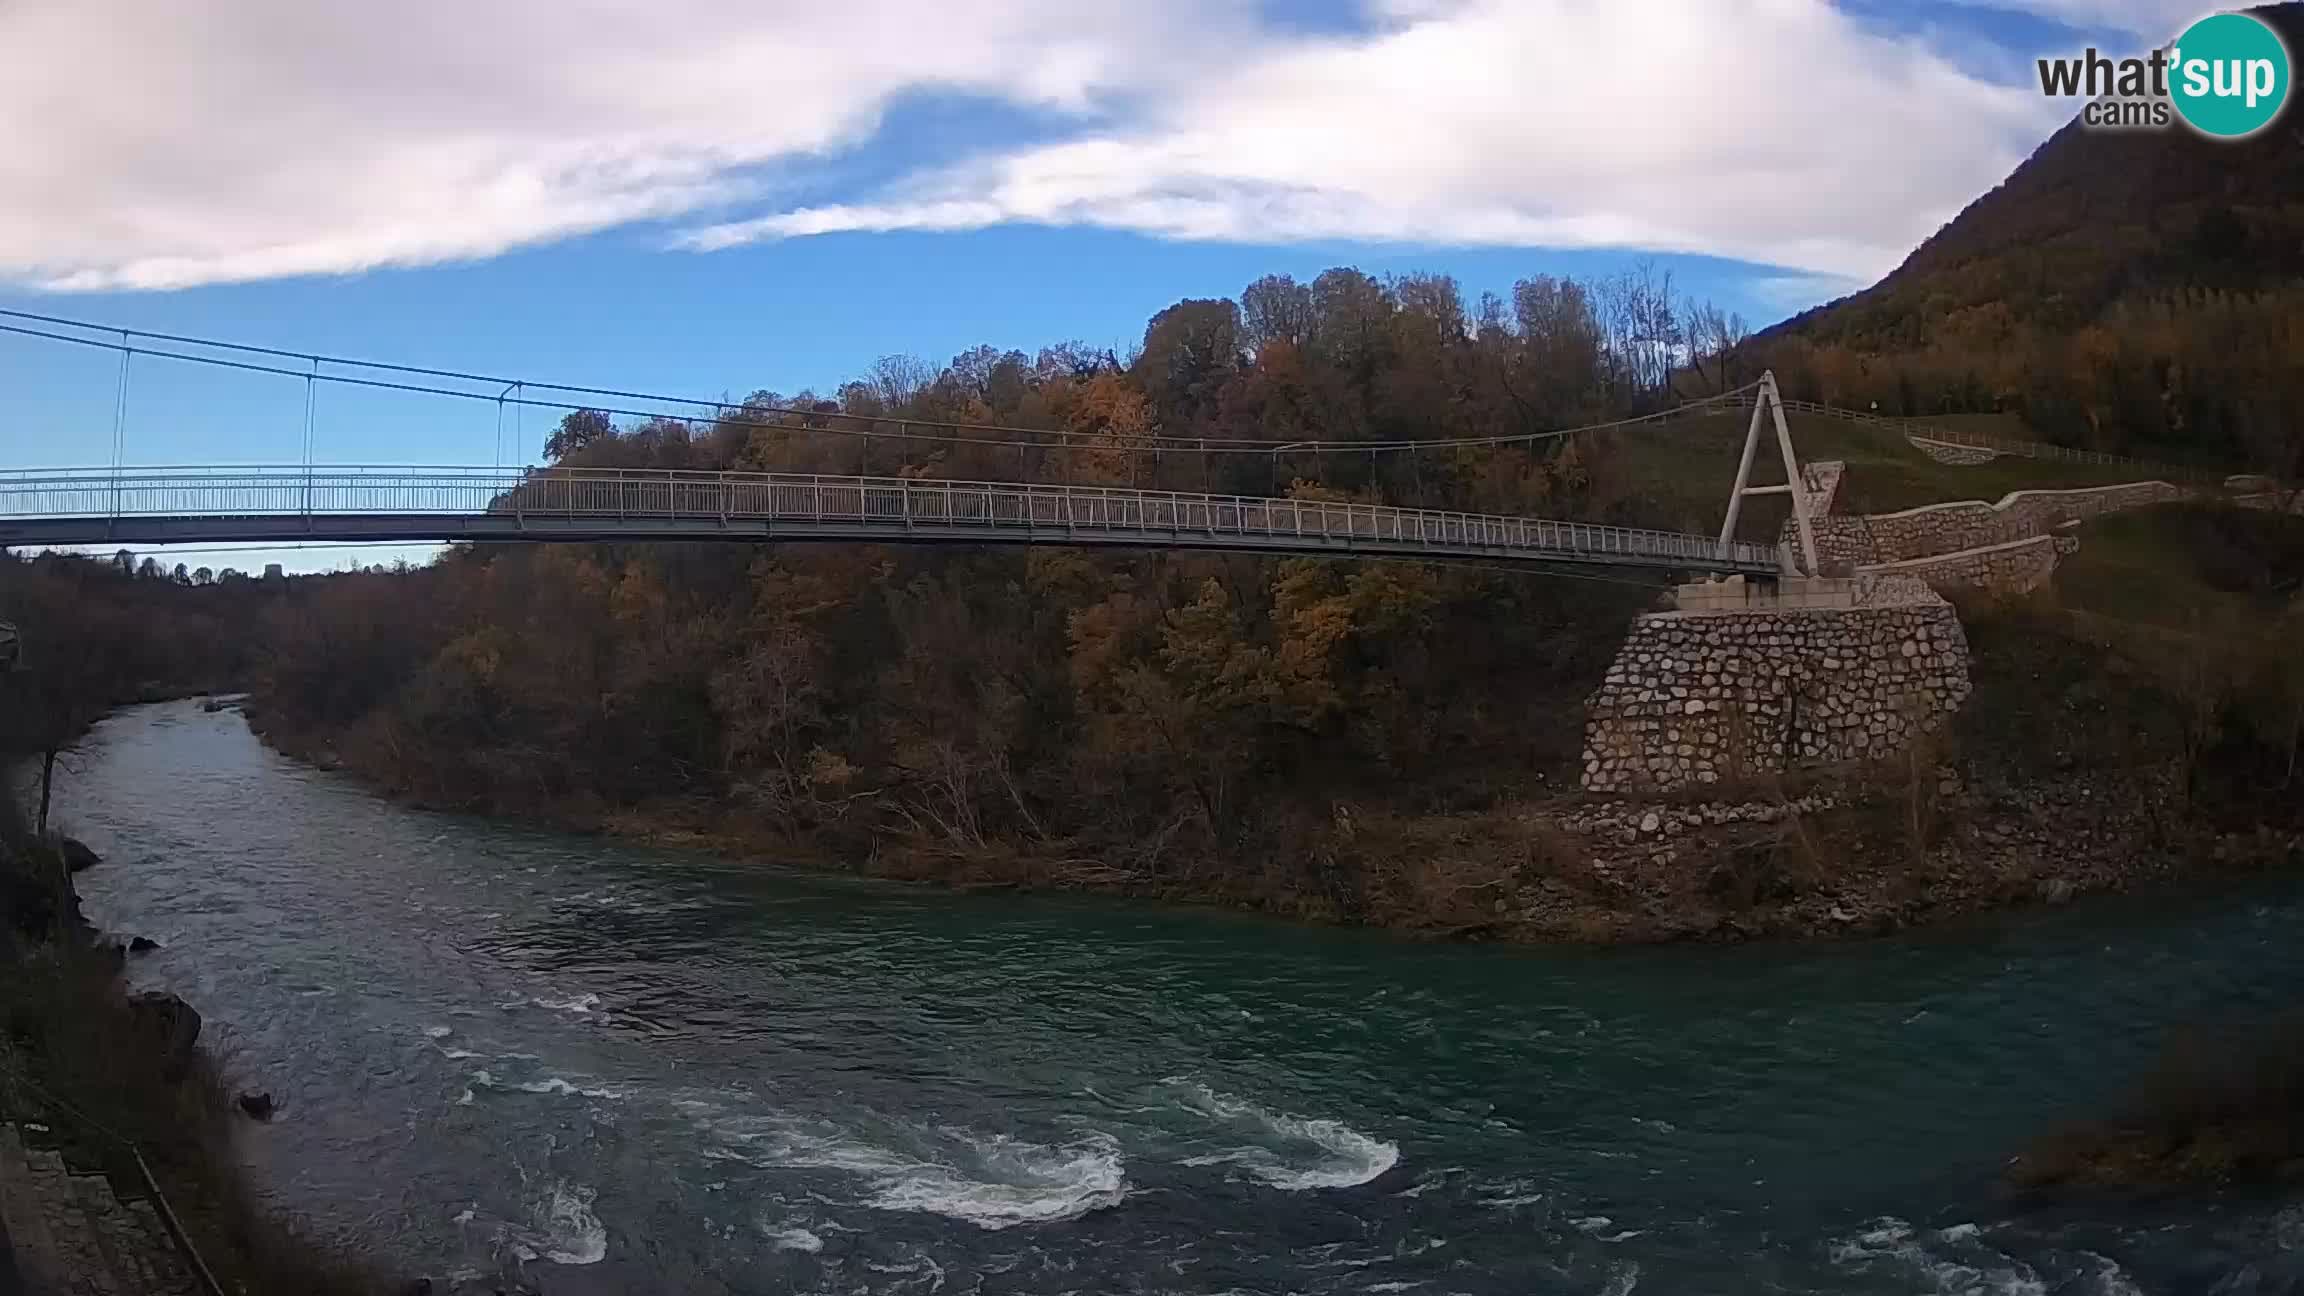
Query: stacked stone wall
point(2018, 567)
point(1702, 697)
point(1968, 524)
point(1951, 452)
point(1839, 539)
point(1823, 479)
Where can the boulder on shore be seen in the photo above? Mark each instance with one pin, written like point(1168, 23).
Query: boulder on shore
point(172, 1024)
point(77, 857)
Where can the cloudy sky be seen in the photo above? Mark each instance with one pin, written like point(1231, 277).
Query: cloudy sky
point(719, 195)
point(221, 141)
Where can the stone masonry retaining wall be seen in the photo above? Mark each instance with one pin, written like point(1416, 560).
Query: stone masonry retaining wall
point(1946, 452)
point(2017, 567)
point(1943, 528)
point(1698, 697)
point(1761, 681)
point(2273, 500)
point(1823, 478)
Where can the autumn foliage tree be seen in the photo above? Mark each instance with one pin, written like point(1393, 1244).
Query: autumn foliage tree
point(97, 634)
point(1157, 718)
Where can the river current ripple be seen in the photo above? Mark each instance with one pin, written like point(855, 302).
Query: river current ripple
point(617, 1069)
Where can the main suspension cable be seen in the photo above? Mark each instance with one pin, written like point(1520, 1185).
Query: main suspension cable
point(762, 415)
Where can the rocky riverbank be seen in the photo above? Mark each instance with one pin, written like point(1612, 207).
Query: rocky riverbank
point(113, 1097)
point(1861, 853)
point(2221, 1110)
point(1857, 858)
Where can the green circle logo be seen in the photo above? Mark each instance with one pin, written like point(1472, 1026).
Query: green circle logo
point(2228, 75)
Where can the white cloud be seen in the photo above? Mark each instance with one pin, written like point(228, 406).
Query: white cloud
point(1770, 130)
point(159, 146)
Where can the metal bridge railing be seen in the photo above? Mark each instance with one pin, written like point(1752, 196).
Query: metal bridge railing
point(890, 505)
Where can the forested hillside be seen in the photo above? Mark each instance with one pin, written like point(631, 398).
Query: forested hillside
point(96, 634)
point(2132, 291)
point(1156, 716)
point(1355, 739)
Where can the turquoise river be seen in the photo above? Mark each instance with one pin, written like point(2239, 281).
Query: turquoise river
point(595, 1067)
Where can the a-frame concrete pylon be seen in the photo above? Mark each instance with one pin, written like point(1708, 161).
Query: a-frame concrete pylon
point(1765, 403)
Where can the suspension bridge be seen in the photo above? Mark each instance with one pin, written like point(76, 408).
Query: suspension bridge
point(309, 502)
point(291, 505)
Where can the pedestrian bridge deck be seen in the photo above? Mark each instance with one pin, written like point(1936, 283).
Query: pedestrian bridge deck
point(392, 503)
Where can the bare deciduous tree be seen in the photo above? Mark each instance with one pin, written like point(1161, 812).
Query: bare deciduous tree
point(899, 380)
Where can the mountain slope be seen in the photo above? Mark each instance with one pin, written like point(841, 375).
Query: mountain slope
point(2106, 255)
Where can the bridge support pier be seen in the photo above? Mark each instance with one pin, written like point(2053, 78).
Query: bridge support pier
point(1746, 680)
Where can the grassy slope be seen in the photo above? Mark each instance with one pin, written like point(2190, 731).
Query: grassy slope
point(1677, 474)
point(2010, 427)
point(2183, 567)
point(2223, 1108)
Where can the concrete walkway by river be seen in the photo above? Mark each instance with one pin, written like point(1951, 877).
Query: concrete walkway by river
point(67, 1234)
